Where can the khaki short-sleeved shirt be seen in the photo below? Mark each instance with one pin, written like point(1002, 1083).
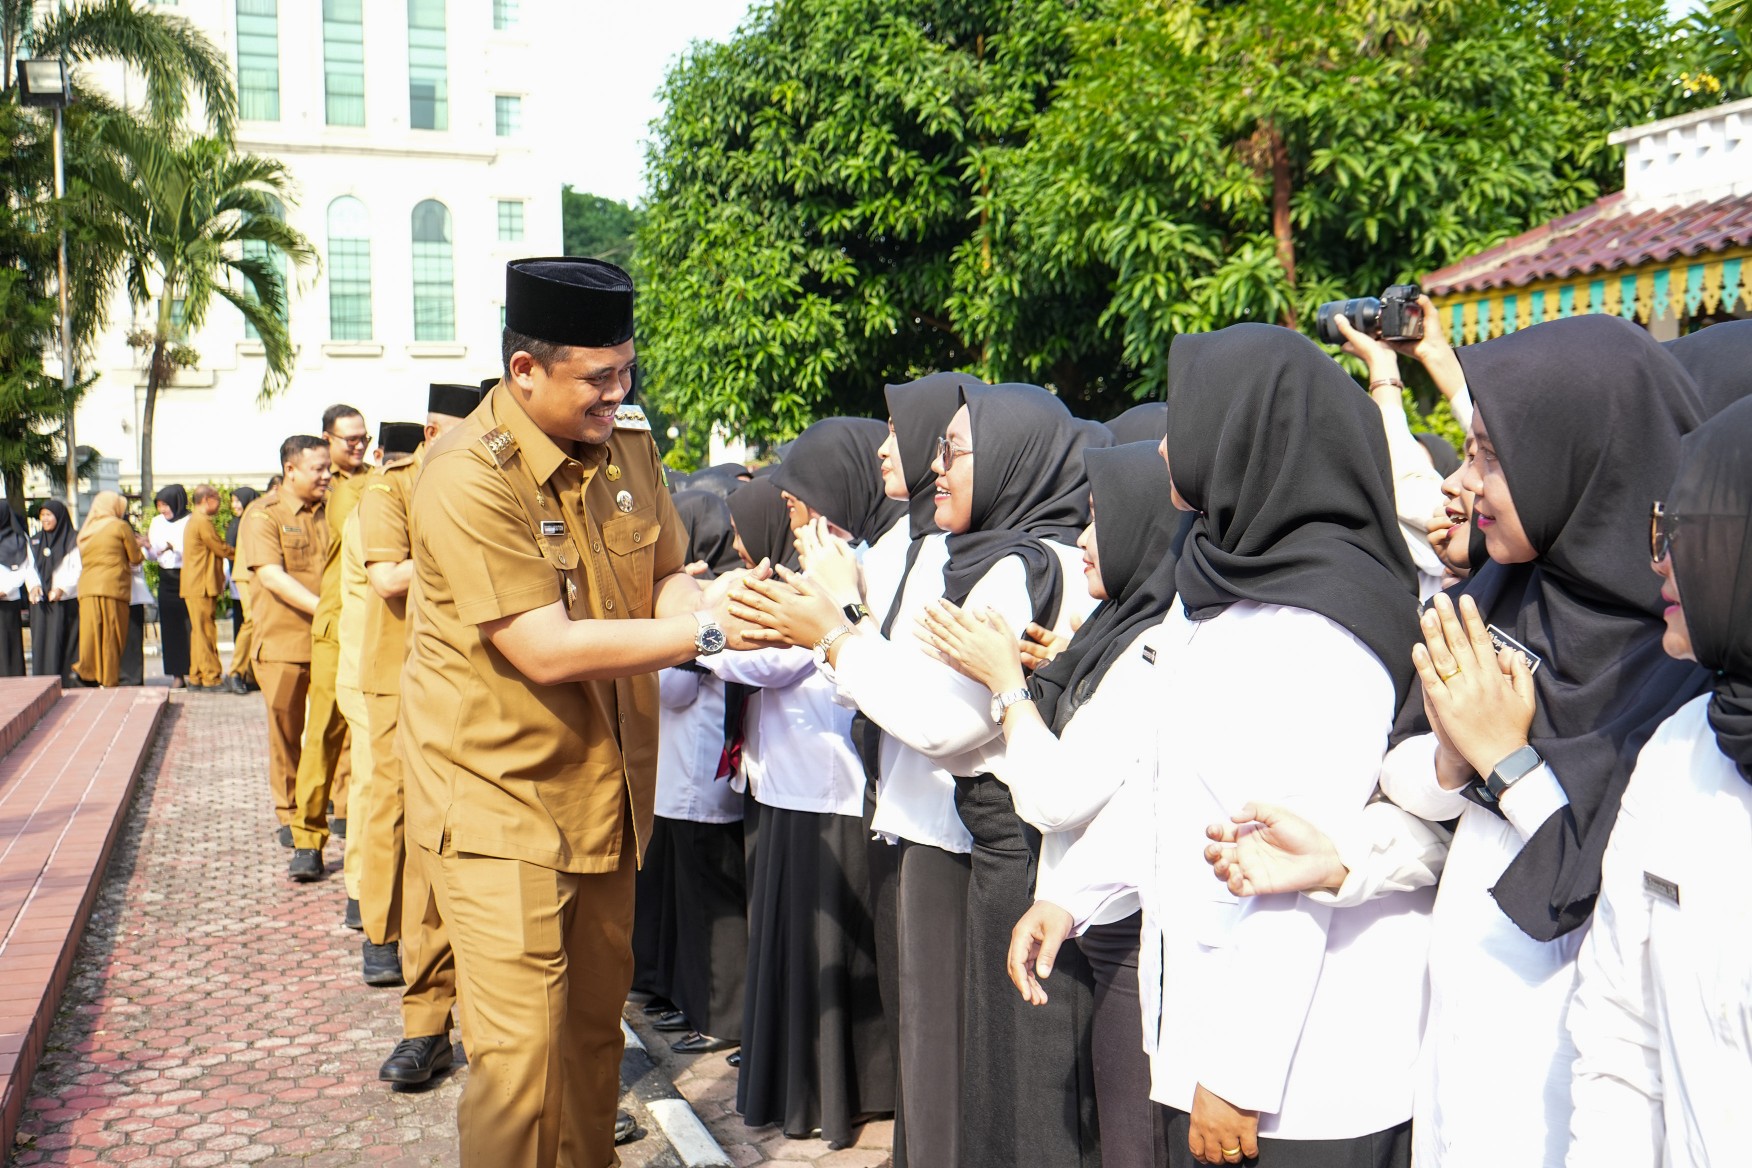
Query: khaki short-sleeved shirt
point(290, 535)
point(239, 570)
point(107, 557)
point(496, 764)
point(343, 496)
point(383, 535)
point(204, 556)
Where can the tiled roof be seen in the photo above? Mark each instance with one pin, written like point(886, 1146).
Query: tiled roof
point(1601, 237)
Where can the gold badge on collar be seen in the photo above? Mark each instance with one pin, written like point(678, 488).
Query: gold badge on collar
point(613, 472)
point(624, 501)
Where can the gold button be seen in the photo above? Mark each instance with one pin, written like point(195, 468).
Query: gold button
point(609, 604)
point(637, 536)
point(597, 546)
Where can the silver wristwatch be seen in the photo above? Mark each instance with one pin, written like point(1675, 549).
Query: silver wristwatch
point(1005, 700)
point(710, 639)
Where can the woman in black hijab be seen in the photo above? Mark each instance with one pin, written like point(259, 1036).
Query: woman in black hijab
point(711, 539)
point(1564, 469)
point(833, 472)
point(54, 616)
point(1062, 770)
point(1719, 359)
point(1142, 423)
point(15, 586)
point(164, 536)
point(1654, 995)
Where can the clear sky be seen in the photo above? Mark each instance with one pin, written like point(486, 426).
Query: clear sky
point(623, 49)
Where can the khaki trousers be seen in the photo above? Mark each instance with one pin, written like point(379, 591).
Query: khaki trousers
point(204, 666)
point(544, 960)
point(286, 686)
point(323, 766)
point(363, 765)
point(241, 665)
point(376, 832)
point(428, 965)
point(103, 627)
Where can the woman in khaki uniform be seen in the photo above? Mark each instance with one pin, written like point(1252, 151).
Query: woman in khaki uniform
point(108, 551)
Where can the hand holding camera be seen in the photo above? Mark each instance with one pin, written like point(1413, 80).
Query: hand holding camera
point(1401, 322)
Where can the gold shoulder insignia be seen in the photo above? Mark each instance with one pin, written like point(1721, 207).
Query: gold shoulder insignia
point(631, 418)
point(500, 444)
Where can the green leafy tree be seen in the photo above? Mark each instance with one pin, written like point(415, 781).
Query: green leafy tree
point(181, 214)
point(815, 182)
point(597, 227)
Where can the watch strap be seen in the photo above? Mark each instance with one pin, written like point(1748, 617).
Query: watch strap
point(1518, 765)
point(1001, 703)
point(855, 612)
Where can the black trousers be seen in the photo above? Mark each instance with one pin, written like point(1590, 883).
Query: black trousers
point(54, 639)
point(173, 623)
point(12, 638)
point(1382, 1149)
point(134, 648)
point(932, 923)
point(1133, 1129)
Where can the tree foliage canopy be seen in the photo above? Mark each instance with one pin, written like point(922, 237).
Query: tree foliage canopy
point(851, 192)
point(597, 227)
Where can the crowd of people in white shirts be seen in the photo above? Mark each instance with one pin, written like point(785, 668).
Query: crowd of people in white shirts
point(1243, 781)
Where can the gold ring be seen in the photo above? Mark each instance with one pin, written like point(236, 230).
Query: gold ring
point(1449, 676)
point(1236, 1151)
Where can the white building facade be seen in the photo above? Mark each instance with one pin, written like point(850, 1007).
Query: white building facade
point(423, 159)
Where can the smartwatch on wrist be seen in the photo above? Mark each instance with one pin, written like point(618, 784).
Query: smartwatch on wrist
point(710, 639)
point(1511, 770)
point(1002, 702)
point(854, 612)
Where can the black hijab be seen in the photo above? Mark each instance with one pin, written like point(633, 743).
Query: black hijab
point(1028, 487)
point(832, 467)
point(14, 538)
point(1142, 423)
point(709, 535)
point(50, 548)
point(717, 480)
point(1441, 453)
point(764, 522)
point(177, 498)
point(1138, 535)
point(1286, 464)
point(1586, 416)
point(248, 495)
point(1719, 359)
point(920, 411)
point(1712, 562)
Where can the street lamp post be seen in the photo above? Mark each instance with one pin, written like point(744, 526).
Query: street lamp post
point(45, 83)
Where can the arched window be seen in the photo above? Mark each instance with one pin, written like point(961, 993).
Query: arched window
point(434, 301)
point(256, 250)
point(349, 270)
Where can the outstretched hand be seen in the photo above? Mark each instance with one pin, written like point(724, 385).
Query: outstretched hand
point(1266, 849)
point(790, 609)
point(979, 645)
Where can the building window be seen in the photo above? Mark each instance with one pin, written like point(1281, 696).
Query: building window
point(510, 220)
point(434, 302)
point(258, 60)
point(343, 61)
point(504, 14)
point(254, 249)
point(428, 86)
point(349, 270)
point(507, 115)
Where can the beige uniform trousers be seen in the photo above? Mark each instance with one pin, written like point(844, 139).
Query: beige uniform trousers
point(241, 665)
point(323, 767)
point(103, 627)
point(285, 685)
point(544, 961)
point(363, 766)
point(204, 665)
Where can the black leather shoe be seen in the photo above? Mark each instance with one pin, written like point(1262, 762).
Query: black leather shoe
point(626, 1128)
point(353, 920)
point(306, 865)
point(338, 828)
point(734, 1060)
point(657, 1007)
point(284, 835)
point(252, 685)
point(674, 1020)
point(415, 1060)
point(697, 1043)
point(382, 964)
point(233, 684)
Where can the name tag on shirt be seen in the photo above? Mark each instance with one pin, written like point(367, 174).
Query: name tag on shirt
point(1149, 654)
point(553, 527)
point(1661, 889)
point(1503, 641)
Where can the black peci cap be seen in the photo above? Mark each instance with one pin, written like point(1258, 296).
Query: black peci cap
point(453, 401)
point(568, 300)
point(401, 437)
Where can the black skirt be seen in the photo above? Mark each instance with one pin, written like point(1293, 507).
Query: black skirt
point(12, 638)
point(133, 670)
point(1028, 1091)
point(54, 639)
point(815, 1045)
point(654, 915)
point(711, 925)
point(173, 623)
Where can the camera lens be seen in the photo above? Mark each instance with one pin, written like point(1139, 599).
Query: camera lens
point(1363, 313)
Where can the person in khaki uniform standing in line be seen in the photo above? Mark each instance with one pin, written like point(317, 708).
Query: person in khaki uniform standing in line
point(108, 551)
point(203, 582)
point(282, 544)
point(548, 590)
point(324, 763)
point(397, 905)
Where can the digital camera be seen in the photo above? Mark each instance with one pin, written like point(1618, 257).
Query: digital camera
point(1395, 316)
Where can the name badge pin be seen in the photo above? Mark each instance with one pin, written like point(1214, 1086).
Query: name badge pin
point(553, 527)
point(613, 472)
point(1661, 888)
point(624, 501)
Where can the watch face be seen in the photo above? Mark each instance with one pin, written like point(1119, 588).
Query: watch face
point(711, 640)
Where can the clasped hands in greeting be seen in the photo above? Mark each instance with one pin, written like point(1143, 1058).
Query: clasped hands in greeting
point(1479, 700)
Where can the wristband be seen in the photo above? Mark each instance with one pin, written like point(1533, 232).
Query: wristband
point(828, 640)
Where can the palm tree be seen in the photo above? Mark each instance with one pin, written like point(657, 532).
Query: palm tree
point(182, 214)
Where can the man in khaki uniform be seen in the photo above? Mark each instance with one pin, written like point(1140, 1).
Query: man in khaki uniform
point(241, 679)
point(398, 908)
point(203, 582)
point(282, 543)
point(548, 590)
point(324, 765)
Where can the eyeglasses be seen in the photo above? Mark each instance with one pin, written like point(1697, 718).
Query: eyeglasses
point(1663, 529)
point(947, 454)
point(355, 440)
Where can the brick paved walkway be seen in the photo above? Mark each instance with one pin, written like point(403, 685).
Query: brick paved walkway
point(215, 1015)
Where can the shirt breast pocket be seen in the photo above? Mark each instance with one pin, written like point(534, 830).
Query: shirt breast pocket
point(295, 549)
point(632, 543)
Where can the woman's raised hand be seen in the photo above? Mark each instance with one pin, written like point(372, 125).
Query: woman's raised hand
point(1040, 645)
point(1480, 701)
point(829, 562)
point(791, 609)
point(979, 645)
